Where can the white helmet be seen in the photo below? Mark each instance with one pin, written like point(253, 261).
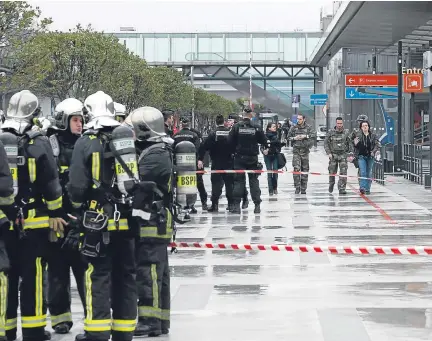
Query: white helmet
point(100, 107)
point(23, 107)
point(148, 124)
point(120, 109)
point(65, 110)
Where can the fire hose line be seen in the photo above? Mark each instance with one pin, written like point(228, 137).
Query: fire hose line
point(242, 171)
point(348, 250)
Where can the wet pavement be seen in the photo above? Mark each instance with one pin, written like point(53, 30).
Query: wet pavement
point(256, 295)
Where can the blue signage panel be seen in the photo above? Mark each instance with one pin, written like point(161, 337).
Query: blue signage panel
point(353, 93)
point(319, 96)
point(318, 101)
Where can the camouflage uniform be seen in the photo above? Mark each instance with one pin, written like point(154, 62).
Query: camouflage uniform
point(301, 150)
point(338, 144)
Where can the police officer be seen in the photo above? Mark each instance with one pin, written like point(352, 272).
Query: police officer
point(337, 145)
point(302, 136)
point(221, 156)
point(120, 112)
point(168, 117)
point(39, 199)
point(155, 165)
point(186, 134)
point(7, 213)
point(244, 138)
point(95, 191)
point(66, 129)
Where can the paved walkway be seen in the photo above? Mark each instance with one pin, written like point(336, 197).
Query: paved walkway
point(265, 295)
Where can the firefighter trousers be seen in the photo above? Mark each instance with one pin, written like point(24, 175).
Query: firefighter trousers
point(113, 274)
point(153, 282)
point(27, 258)
point(4, 266)
point(60, 262)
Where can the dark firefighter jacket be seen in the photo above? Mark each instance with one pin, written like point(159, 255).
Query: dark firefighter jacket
point(186, 134)
point(156, 164)
point(6, 189)
point(91, 176)
point(217, 144)
point(38, 182)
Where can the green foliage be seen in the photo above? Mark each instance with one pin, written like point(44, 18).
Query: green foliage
point(82, 61)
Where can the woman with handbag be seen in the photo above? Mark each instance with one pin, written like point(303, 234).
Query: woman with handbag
point(271, 156)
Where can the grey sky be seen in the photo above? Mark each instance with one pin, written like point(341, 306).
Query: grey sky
point(182, 16)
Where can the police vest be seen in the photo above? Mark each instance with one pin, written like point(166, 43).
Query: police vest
point(247, 143)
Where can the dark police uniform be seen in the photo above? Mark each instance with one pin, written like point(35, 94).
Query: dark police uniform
point(62, 260)
point(38, 187)
point(110, 276)
point(221, 156)
point(153, 280)
point(6, 214)
point(186, 134)
point(244, 138)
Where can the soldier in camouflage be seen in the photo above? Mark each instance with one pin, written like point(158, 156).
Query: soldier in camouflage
point(302, 136)
point(338, 147)
point(353, 134)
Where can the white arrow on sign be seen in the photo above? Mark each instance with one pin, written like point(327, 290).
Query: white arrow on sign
point(350, 80)
point(352, 94)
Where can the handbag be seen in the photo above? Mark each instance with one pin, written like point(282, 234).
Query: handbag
point(281, 160)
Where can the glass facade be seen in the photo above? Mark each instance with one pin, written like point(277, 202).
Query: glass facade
point(184, 47)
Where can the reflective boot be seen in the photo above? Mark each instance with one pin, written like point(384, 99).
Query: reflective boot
point(84, 337)
point(62, 328)
point(146, 330)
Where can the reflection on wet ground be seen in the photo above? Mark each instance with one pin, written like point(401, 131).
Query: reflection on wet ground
point(255, 295)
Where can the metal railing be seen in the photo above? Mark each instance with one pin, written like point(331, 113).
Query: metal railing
point(413, 163)
point(378, 172)
point(421, 134)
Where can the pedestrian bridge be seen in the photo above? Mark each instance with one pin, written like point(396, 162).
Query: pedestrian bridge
point(223, 62)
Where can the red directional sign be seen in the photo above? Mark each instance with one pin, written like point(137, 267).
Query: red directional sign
point(371, 80)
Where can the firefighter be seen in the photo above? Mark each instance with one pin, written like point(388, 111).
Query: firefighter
point(39, 199)
point(187, 134)
point(63, 134)
point(7, 213)
point(155, 165)
point(96, 190)
point(120, 112)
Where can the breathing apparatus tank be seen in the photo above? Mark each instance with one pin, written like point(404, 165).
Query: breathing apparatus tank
point(10, 142)
point(186, 189)
point(123, 141)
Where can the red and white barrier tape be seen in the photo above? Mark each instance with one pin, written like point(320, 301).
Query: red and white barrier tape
point(356, 250)
point(242, 171)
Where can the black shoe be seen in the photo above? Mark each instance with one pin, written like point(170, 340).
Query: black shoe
point(165, 331)
point(245, 204)
point(362, 191)
point(235, 209)
point(47, 335)
point(342, 191)
point(257, 209)
point(270, 193)
point(367, 192)
point(193, 210)
point(144, 329)
point(303, 191)
point(297, 191)
point(83, 337)
point(213, 208)
point(275, 191)
point(331, 186)
point(204, 206)
point(62, 328)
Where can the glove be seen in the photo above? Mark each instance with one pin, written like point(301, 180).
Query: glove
point(73, 238)
point(56, 229)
